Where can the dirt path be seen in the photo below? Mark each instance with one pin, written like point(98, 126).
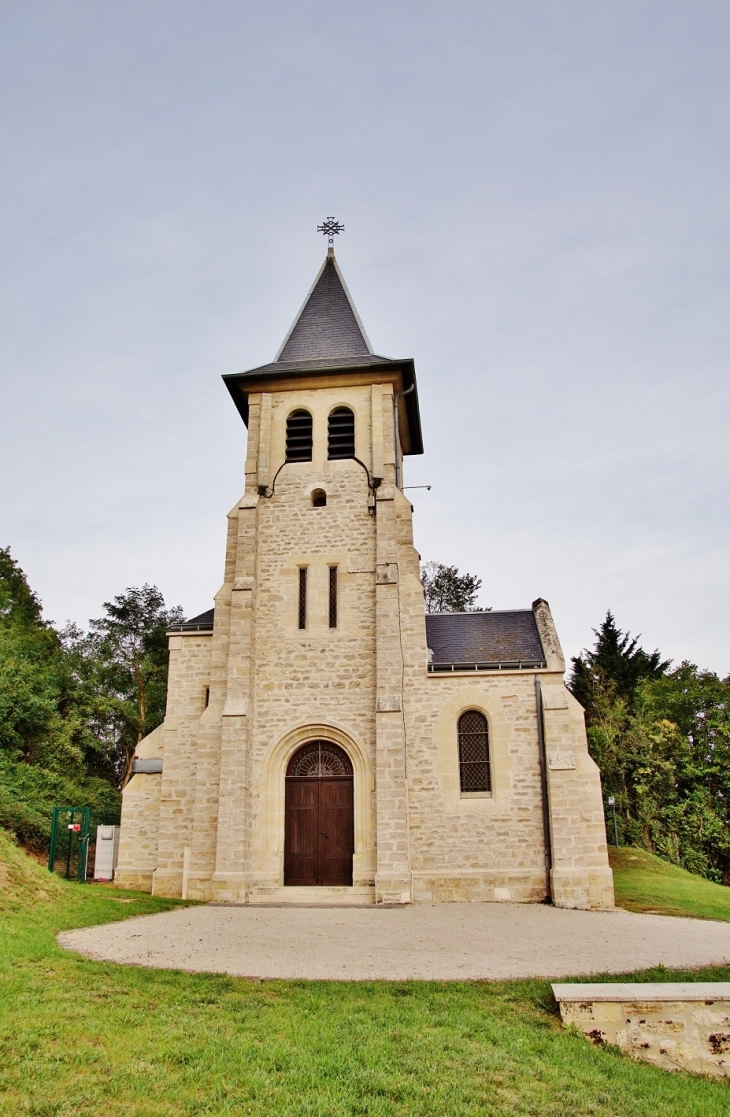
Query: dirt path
point(439, 942)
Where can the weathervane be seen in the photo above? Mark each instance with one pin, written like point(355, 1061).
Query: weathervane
point(330, 227)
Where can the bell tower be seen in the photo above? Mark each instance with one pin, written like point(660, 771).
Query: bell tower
point(321, 730)
point(307, 632)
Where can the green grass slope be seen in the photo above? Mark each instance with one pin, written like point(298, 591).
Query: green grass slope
point(23, 882)
point(645, 883)
point(88, 1038)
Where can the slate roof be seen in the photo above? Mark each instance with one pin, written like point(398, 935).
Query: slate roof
point(467, 641)
point(202, 623)
point(327, 336)
point(328, 324)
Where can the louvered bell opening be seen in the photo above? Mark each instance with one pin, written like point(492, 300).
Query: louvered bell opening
point(341, 434)
point(299, 437)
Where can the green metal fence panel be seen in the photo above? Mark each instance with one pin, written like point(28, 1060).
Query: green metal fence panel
point(70, 842)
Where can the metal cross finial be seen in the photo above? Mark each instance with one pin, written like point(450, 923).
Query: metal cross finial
point(330, 227)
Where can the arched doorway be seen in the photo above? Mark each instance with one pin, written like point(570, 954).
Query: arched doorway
point(318, 824)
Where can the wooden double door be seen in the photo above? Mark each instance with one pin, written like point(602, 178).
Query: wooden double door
point(319, 822)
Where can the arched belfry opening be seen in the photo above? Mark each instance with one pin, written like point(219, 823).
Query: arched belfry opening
point(341, 434)
point(299, 436)
point(319, 816)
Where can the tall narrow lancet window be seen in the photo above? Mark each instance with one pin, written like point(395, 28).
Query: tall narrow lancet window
point(302, 597)
point(299, 437)
point(474, 767)
point(341, 433)
point(333, 597)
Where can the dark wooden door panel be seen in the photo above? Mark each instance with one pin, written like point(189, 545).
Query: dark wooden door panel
point(319, 831)
point(301, 838)
point(336, 831)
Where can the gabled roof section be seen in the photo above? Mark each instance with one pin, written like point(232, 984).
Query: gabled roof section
point(328, 324)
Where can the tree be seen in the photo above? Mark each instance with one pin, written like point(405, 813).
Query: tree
point(662, 741)
point(46, 738)
point(32, 724)
point(616, 665)
point(18, 603)
point(445, 590)
point(124, 658)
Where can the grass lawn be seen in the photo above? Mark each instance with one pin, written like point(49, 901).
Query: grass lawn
point(645, 883)
point(103, 1040)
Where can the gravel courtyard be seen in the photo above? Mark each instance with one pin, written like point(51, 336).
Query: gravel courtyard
point(442, 942)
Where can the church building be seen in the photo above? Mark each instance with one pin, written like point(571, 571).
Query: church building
point(325, 740)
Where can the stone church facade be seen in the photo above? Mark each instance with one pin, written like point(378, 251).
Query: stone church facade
point(325, 740)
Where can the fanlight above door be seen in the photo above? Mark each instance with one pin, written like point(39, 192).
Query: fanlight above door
point(320, 759)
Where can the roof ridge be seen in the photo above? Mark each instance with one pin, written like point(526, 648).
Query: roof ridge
point(479, 613)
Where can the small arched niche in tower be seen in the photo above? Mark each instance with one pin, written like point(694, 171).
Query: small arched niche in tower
point(319, 498)
point(341, 434)
point(299, 436)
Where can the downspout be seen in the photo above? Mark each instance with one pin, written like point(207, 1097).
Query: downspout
point(396, 432)
point(547, 828)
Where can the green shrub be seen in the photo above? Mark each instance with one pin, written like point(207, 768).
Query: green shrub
point(28, 794)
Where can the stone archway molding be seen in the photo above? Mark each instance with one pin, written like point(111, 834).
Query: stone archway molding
point(268, 824)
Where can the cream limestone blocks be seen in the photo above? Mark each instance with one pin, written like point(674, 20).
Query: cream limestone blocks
point(245, 695)
point(471, 846)
point(677, 1026)
point(580, 876)
point(138, 838)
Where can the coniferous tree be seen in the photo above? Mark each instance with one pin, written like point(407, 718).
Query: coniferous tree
point(616, 664)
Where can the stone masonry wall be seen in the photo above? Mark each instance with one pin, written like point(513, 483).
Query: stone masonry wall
point(188, 677)
point(492, 846)
point(319, 675)
point(674, 1026)
point(139, 832)
point(480, 846)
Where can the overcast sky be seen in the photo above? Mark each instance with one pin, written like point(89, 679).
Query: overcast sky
point(535, 197)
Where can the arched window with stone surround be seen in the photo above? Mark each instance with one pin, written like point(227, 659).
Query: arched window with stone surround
point(299, 436)
point(341, 433)
point(475, 773)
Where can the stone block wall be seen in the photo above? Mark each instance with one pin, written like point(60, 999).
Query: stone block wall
point(682, 1026)
point(187, 682)
point(138, 836)
point(492, 845)
point(483, 846)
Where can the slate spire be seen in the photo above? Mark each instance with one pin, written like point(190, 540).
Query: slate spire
point(328, 325)
point(327, 338)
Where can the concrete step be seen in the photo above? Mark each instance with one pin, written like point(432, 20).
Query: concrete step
point(313, 897)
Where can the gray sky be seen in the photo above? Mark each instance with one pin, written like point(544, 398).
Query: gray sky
point(536, 205)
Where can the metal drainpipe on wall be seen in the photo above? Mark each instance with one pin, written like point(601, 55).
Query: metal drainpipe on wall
point(398, 454)
point(544, 782)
